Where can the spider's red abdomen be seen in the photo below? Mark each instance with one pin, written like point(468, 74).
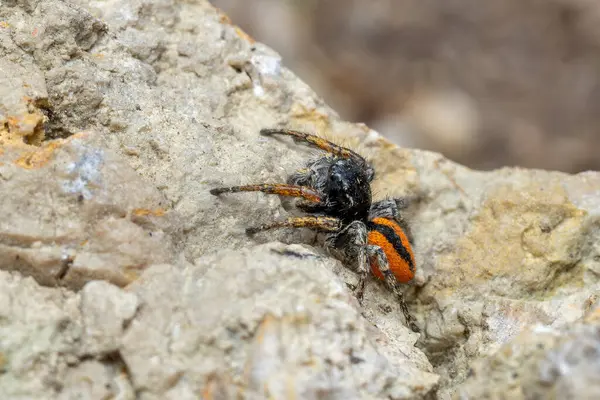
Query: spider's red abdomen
point(392, 239)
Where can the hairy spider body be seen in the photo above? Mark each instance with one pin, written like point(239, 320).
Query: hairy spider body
point(335, 189)
point(394, 242)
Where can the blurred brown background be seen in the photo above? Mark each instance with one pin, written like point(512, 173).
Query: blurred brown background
point(512, 82)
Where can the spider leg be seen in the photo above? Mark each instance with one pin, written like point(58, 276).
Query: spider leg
point(349, 245)
point(327, 224)
point(376, 253)
point(276, 188)
point(317, 142)
point(390, 208)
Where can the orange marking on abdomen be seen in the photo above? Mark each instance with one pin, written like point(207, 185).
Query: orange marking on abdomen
point(402, 269)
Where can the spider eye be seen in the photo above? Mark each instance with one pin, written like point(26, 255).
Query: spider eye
point(336, 178)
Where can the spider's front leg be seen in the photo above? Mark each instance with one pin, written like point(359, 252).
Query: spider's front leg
point(376, 255)
point(315, 141)
point(349, 245)
point(306, 193)
point(308, 197)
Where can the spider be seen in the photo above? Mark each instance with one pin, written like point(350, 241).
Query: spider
point(335, 190)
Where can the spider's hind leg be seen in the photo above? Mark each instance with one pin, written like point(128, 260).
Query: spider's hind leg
point(376, 254)
point(349, 246)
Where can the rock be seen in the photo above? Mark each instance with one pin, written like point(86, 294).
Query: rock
point(290, 325)
point(170, 97)
point(541, 362)
point(40, 334)
point(96, 380)
point(106, 312)
point(22, 87)
point(74, 211)
point(49, 335)
point(524, 253)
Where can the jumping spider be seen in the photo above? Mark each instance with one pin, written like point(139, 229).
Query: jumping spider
point(336, 190)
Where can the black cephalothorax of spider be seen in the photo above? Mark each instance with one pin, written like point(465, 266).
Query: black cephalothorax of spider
point(336, 191)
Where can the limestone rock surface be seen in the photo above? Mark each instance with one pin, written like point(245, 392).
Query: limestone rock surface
point(123, 277)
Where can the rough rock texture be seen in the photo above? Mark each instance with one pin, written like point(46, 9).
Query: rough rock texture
point(123, 277)
point(293, 331)
point(68, 218)
point(541, 363)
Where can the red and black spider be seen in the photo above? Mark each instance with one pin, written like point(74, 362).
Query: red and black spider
point(335, 189)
